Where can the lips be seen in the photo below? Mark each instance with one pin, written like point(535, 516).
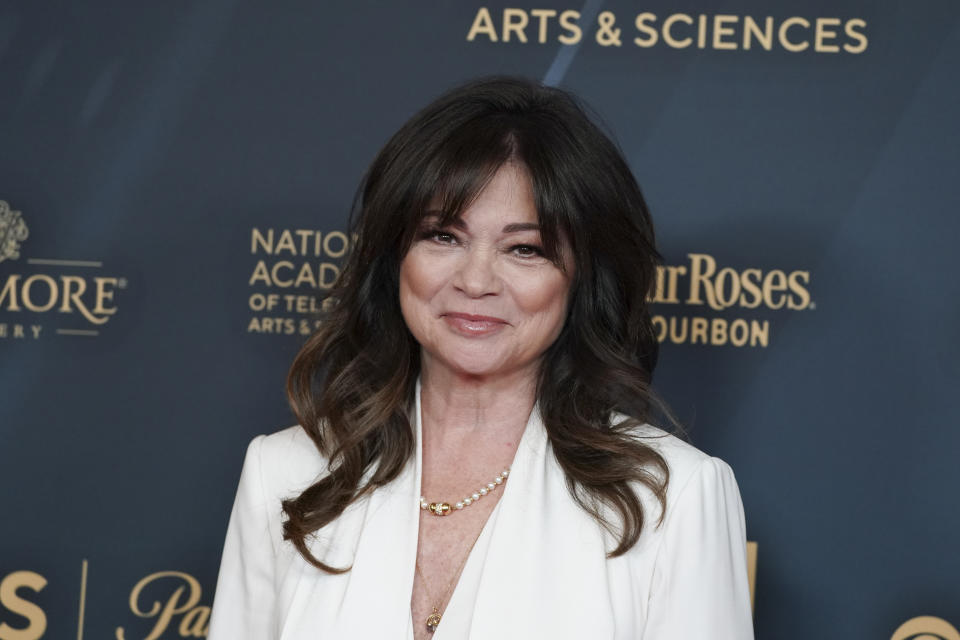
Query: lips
point(471, 325)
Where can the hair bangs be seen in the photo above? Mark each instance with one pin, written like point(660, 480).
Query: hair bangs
point(463, 166)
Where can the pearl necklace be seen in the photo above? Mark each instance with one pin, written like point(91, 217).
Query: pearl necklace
point(444, 508)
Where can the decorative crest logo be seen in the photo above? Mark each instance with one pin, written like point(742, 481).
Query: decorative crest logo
point(926, 628)
point(13, 231)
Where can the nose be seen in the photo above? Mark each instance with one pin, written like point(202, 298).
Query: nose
point(476, 274)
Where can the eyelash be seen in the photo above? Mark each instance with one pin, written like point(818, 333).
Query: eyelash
point(436, 234)
point(537, 252)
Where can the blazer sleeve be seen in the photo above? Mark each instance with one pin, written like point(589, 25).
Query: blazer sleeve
point(243, 604)
point(700, 587)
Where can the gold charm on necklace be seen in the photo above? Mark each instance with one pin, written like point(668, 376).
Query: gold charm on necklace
point(439, 508)
point(433, 620)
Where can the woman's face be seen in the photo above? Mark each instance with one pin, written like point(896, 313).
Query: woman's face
point(478, 295)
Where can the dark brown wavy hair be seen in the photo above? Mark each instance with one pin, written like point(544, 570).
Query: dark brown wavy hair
point(351, 386)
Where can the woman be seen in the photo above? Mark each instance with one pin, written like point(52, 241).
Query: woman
point(474, 459)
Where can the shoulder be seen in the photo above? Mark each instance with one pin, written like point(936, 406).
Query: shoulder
point(287, 461)
point(690, 469)
point(694, 558)
point(682, 458)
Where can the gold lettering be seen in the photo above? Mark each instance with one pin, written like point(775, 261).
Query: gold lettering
point(678, 337)
point(101, 296)
point(173, 607)
point(739, 332)
point(801, 297)
point(727, 273)
point(26, 293)
point(344, 244)
point(668, 34)
point(329, 273)
point(718, 334)
point(257, 239)
point(775, 282)
point(305, 276)
point(698, 330)
point(105, 291)
point(482, 24)
point(702, 267)
point(260, 274)
point(68, 294)
point(275, 273)
point(719, 31)
point(714, 331)
point(765, 37)
point(516, 27)
point(195, 623)
point(644, 28)
point(822, 33)
point(782, 33)
point(568, 20)
point(36, 618)
point(673, 274)
point(543, 15)
point(750, 280)
point(850, 29)
point(759, 333)
point(10, 289)
point(285, 243)
point(305, 235)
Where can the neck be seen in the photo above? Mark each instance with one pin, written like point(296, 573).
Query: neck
point(456, 406)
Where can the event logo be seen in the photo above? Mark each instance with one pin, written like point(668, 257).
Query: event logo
point(722, 32)
point(293, 269)
point(926, 628)
point(701, 284)
point(13, 231)
point(64, 291)
point(180, 610)
point(169, 601)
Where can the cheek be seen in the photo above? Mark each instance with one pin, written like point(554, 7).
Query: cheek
point(546, 300)
point(418, 283)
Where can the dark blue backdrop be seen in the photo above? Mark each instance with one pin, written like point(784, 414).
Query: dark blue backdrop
point(142, 145)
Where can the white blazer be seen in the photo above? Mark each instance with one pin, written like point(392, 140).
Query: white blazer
point(538, 570)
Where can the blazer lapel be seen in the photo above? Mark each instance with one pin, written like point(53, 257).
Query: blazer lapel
point(545, 570)
point(377, 599)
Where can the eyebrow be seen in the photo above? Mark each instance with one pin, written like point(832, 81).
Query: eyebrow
point(514, 227)
point(521, 226)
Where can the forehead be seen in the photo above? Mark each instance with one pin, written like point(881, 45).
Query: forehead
point(506, 197)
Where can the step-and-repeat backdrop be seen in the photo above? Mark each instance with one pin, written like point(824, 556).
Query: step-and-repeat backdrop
point(174, 186)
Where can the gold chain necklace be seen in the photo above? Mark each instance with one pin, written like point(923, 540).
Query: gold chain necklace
point(442, 509)
point(433, 620)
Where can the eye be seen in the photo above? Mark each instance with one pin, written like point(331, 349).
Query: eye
point(439, 236)
point(443, 237)
point(527, 251)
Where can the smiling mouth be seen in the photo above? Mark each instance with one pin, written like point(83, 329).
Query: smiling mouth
point(471, 325)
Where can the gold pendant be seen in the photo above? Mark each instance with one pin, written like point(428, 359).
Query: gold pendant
point(439, 508)
point(433, 620)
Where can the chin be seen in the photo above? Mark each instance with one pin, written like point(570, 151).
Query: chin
point(462, 364)
point(474, 370)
